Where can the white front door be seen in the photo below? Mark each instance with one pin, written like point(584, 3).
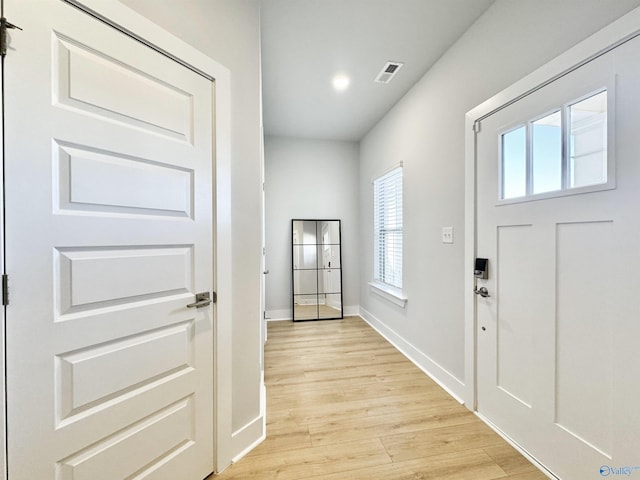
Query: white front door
point(558, 334)
point(108, 237)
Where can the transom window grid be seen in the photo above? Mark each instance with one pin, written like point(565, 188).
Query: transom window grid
point(558, 152)
point(387, 224)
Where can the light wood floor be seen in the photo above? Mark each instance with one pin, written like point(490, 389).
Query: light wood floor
point(342, 403)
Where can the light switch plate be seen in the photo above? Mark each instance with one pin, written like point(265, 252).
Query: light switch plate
point(447, 234)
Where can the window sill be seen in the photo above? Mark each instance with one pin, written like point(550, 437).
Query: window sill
point(391, 294)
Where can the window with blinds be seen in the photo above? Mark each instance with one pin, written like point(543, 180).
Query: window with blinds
point(387, 225)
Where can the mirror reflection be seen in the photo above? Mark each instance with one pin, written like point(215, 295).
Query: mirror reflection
point(317, 271)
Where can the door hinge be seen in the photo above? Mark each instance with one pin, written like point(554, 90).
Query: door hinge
point(5, 289)
point(4, 26)
point(476, 126)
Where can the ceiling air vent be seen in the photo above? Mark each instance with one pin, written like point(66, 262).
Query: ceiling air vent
point(388, 72)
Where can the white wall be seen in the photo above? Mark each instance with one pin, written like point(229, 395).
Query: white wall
point(425, 130)
point(229, 32)
point(309, 179)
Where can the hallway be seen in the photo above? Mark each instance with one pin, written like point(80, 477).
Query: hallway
point(342, 403)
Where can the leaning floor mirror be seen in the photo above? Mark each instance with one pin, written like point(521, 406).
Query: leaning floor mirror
point(316, 269)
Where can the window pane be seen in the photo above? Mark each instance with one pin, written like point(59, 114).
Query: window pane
point(392, 260)
point(514, 163)
point(588, 141)
point(388, 228)
point(547, 153)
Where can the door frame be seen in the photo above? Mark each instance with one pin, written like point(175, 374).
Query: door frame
point(603, 41)
point(133, 24)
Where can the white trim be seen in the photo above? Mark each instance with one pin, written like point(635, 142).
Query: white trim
point(248, 437)
point(3, 392)
point(253, 433)
point(132, 21)
point(432, 369)
point(399, 164)
point(277, 315)
point(389, 293)
point(275, 320)
point(469, 257)
point(263, 225)
point(611, 35)
point(351, 311)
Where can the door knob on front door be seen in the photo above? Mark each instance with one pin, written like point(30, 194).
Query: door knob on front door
point(202, 300)
point(482, 291)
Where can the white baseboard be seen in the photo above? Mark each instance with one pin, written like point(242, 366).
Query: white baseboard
point(436, 372)
point(285, 314)
point(351, 311)
point(253, 433)
point(275, 315)
point(247, 438)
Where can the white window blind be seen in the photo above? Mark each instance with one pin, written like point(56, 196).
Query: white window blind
point(387, 225)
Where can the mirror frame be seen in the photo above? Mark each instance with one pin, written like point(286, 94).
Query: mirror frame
point(298, 245)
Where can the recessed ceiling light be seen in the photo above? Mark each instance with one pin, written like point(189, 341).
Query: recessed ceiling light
point(341, 82)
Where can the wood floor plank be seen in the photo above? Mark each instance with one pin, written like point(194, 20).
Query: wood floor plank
point(387, 425)
point(304, 398)
point(435, 441)
point(359, 373)
point(283, 438)
point(343, 404)
point(417, 383)
point(509, 459)
point(467, 465)
point(318, 363)
point(309, 462)
point(534, 475)
point(335, 408)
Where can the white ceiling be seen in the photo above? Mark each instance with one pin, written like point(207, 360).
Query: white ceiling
point(306, 42)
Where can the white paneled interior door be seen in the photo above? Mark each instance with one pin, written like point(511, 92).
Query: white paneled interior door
point(557, 338)
point(108, 237)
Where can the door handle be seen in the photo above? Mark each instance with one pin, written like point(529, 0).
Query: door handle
point(482, 291)
point(202, 300)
